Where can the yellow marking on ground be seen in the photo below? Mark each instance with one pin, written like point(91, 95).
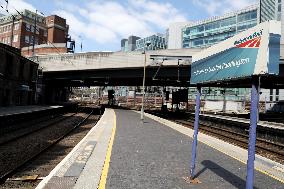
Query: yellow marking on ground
point(103, 179)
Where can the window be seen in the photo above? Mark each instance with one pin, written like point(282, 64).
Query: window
point(197, 42)
point(15, 38)
point(8, 40)
point(28, 27)
point(37, 30)
point(32, 28)
point(27, 39)
point(45, 33)
point(247, 16)
point(16, 26)
point(36, 41)
point(31, 39)
point(279, 8)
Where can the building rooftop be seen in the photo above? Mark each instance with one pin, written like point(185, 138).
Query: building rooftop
point(226, 15)
point(25, 13)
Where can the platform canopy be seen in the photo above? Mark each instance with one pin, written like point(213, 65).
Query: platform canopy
point(255, 51)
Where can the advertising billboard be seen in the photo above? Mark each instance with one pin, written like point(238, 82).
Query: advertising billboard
point(255, 51)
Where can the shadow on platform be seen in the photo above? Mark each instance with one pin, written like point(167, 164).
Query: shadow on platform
point(223, 173)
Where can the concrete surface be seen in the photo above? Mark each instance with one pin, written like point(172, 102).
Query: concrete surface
point(11, 110)
point(82, 167)
point(152, 155)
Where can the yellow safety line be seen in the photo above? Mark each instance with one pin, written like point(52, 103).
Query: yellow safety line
point(103, 179)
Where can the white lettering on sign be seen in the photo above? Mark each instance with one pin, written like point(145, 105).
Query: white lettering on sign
point(222, 66)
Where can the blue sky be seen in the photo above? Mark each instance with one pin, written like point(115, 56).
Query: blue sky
point(101, 24)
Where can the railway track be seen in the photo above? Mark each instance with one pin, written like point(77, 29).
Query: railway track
point(269, 149)
point(35, 142)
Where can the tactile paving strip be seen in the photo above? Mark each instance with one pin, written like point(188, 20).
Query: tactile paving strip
point(61, 183)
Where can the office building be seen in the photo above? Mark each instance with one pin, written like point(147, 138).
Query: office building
point(132, 42)
point(174, 35)
point(213, 30)
point(22, 33)
point(205, 33)
point(156, 41)
point(123, 45)
point(208, 32)
point(129, 44)
point(269, 10)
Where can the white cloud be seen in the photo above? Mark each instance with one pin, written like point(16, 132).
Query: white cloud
point(18, 4)
point(219, 7)
point(109, 21)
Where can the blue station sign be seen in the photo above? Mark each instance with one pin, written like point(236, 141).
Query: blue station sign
point(255, 51)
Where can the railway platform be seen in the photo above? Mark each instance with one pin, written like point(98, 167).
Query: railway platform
point(16, 110)
point(121, 151)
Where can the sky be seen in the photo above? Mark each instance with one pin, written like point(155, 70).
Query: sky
point(101, 24)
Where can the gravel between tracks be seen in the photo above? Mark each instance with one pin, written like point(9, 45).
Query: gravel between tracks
point(44, 163)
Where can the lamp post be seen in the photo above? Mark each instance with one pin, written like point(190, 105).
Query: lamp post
point(12, 31)
point(34, 32)
point(144, 76)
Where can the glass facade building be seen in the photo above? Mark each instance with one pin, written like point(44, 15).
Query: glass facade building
point(211, 31)
point(157, 41)
point(278, 10)
point(129, 44)
point(268, 9)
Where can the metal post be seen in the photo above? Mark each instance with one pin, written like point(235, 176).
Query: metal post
point(163, 97)
point(143, 88)
point(252, 132)
point(224, 101)
point(196, 123)
point(134, 98)
point(155, 98)
point(178, 71)
point(33, 51)
point(12, 32)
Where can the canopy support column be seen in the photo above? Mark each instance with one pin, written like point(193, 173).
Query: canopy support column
point(196, 124)
point(252, 131)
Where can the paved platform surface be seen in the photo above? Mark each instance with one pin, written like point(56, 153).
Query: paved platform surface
point(153, 154)
point(12, 110)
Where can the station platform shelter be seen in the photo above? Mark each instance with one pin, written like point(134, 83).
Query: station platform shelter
point(121, 151)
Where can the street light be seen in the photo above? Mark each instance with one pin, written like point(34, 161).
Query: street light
point(34, 32)
point(148, 43)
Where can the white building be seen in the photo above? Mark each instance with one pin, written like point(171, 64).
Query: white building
point(174, 35)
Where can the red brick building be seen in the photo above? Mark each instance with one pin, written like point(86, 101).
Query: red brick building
point(50, 29)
